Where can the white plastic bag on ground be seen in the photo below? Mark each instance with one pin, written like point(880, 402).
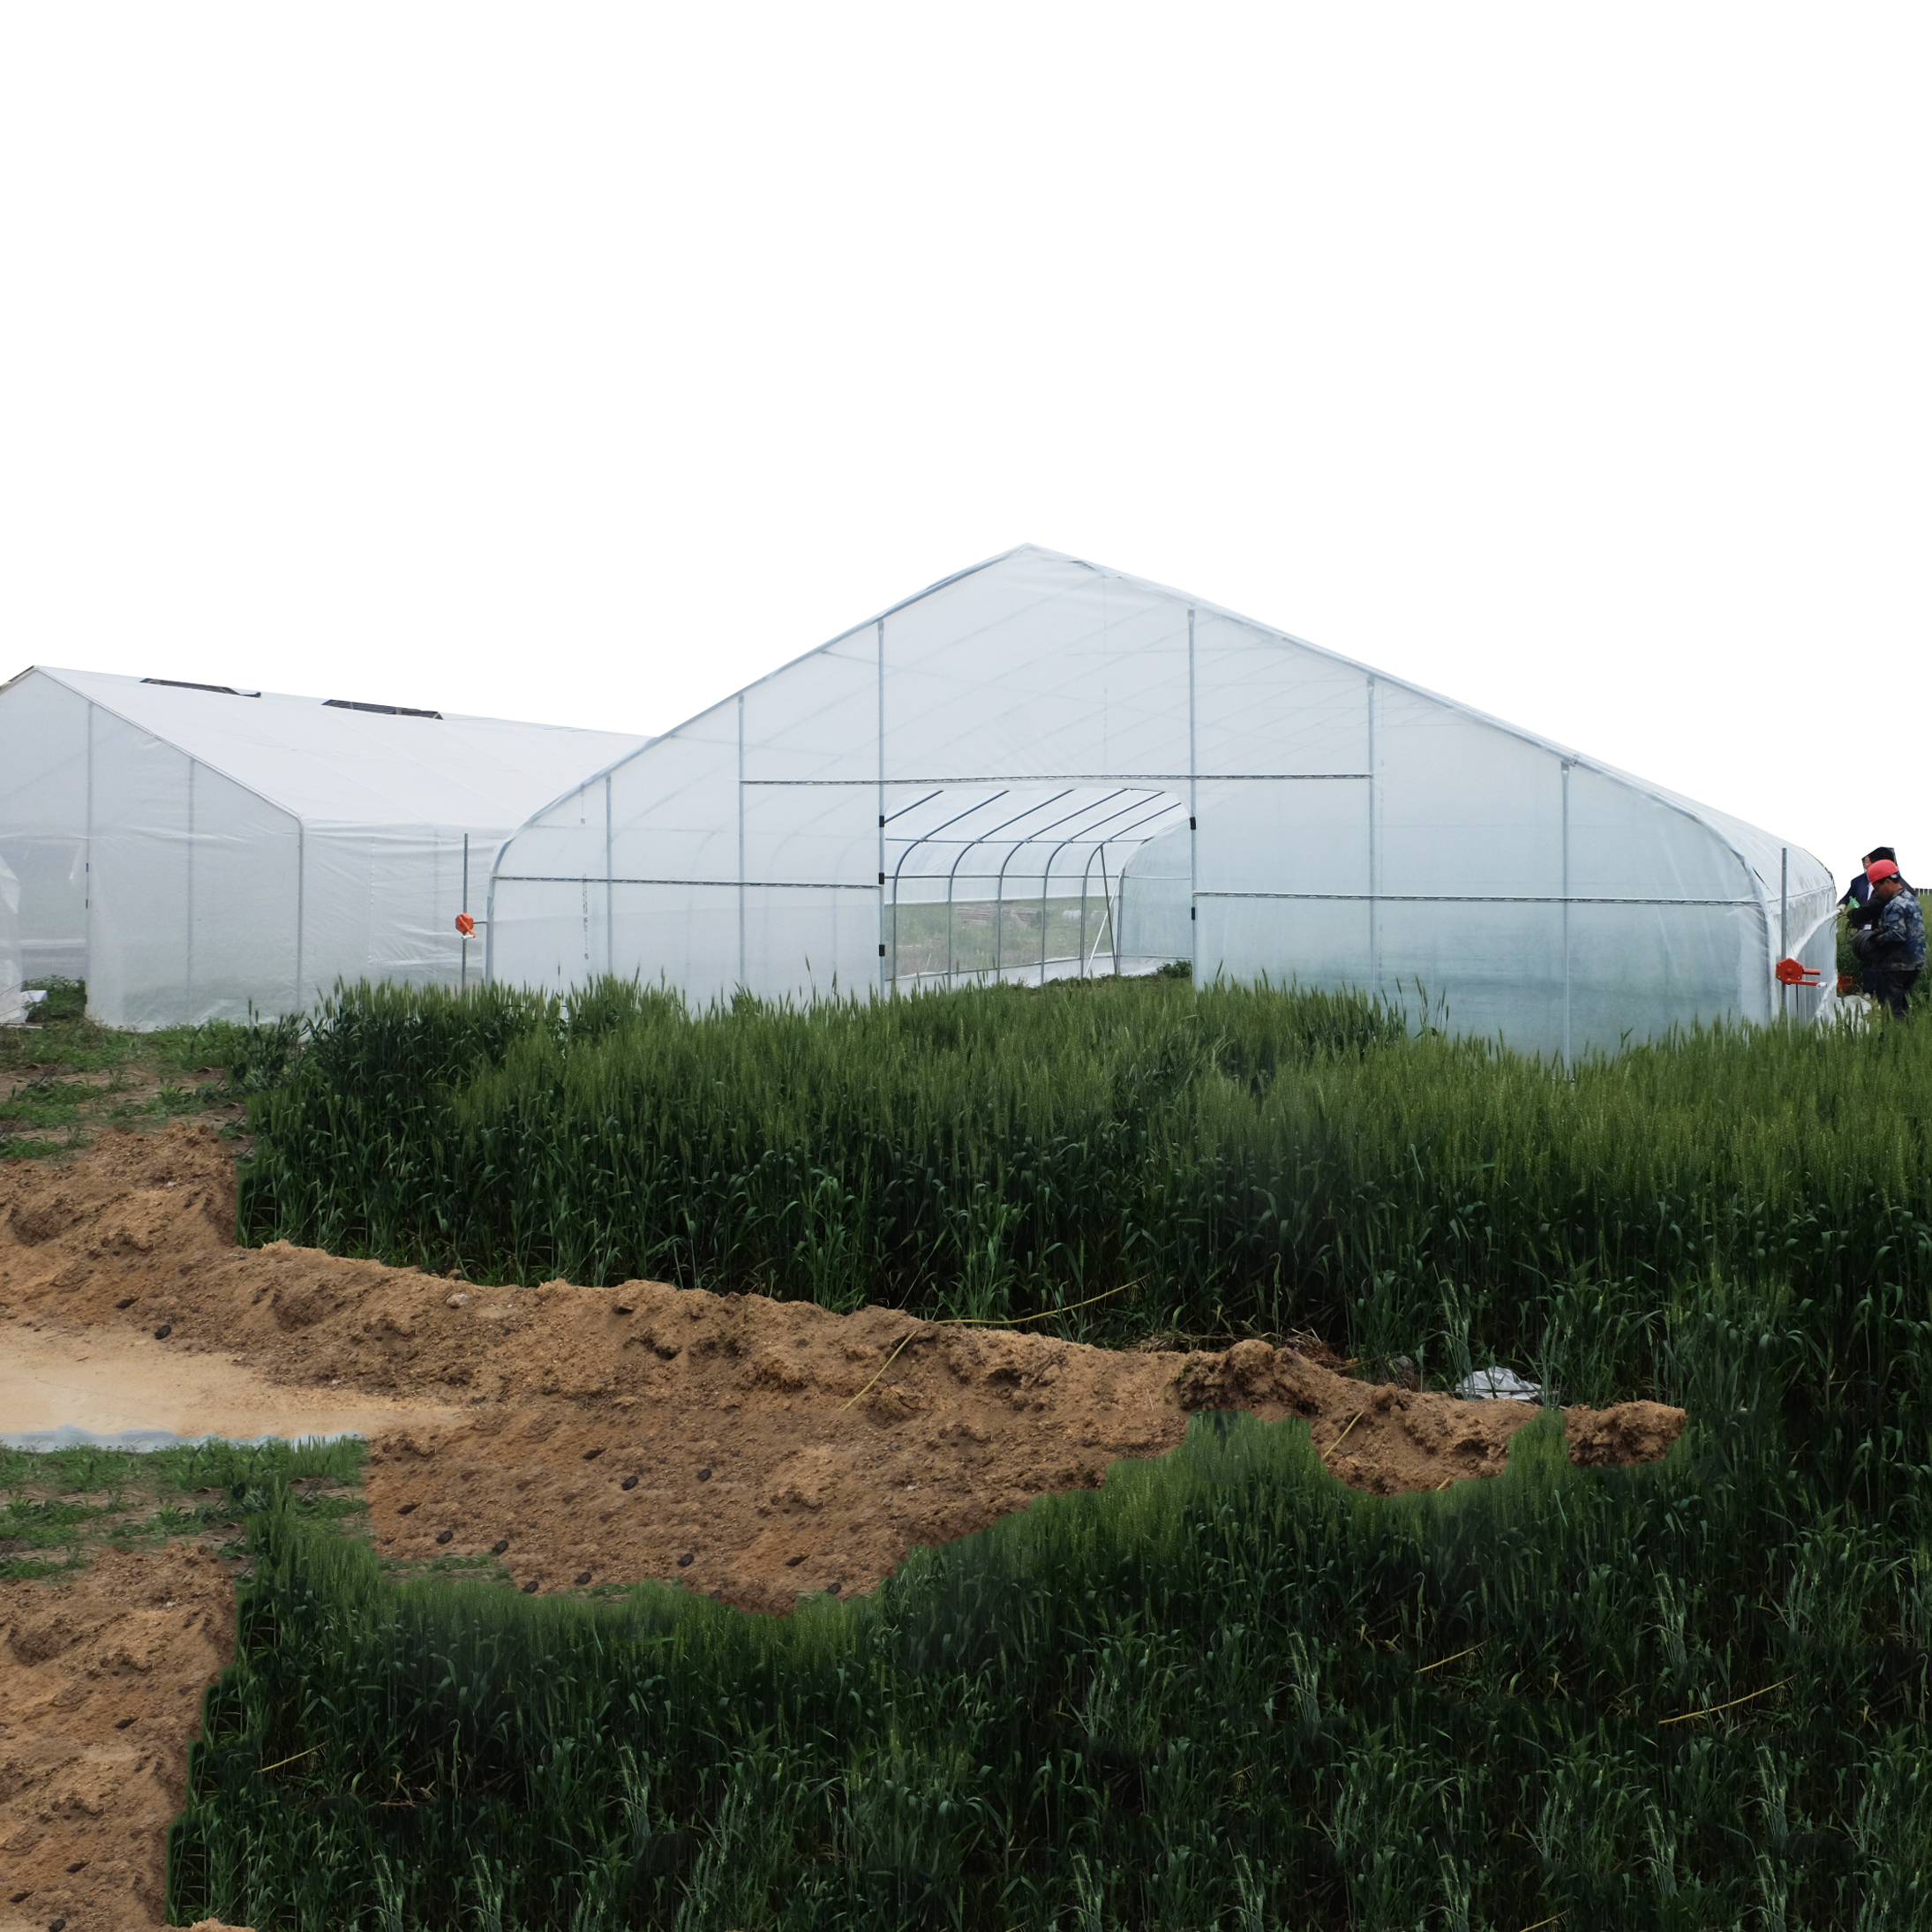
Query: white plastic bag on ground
point(1498, 1385)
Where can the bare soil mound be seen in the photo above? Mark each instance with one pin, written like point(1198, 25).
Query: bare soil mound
point(103, 1674)
point(752, 1448)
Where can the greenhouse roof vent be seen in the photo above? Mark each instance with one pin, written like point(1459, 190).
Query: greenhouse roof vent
point(386, 710)
point(182, 684)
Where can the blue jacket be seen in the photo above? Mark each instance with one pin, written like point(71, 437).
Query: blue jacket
point(1895, 938)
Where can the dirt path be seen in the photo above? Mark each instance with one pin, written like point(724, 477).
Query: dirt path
point(101, 1683)
point(751, 1449)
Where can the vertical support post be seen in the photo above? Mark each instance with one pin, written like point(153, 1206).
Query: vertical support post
point(464, 981)
point(301, 907)
point(1566, 1053)
point(1088, 954)
point(1085, 873)
point(881, 680)
point(1046, 874)
point(87, 932)
point(1375, 861)
point(188, 973)
point(741, 839)
point(999, 923)
point(1784, 922)
point(489, 922)
point(1193, 824)
point(610, 889)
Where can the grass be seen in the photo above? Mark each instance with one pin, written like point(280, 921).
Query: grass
point(63, 1077)
point(59, 1507)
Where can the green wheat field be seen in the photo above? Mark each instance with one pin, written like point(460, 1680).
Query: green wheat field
point(1223, 1691)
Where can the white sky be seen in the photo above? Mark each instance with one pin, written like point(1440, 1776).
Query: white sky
point(583, 363)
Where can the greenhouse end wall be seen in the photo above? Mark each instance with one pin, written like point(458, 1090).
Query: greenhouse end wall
point(199, 854)
point(1040, 768)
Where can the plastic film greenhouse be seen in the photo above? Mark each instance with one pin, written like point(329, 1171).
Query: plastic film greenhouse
point(195, 852)
point(1041, 768)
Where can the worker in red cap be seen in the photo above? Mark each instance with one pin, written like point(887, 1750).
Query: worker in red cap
point(1857, 902)
point(1892, 945)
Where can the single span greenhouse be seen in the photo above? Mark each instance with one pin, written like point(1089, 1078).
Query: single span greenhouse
point(1041, 769)
point(194, 852)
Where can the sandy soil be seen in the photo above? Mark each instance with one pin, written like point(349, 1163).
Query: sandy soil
point(101, 1683)
point(752, 1449)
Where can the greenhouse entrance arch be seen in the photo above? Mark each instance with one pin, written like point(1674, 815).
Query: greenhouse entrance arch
point(1018, 882)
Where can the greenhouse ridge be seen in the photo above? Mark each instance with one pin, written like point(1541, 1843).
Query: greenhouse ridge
point(1036, 769)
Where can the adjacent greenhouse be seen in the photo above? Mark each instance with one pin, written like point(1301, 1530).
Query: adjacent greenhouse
point(194, 852)
point(1041, 768)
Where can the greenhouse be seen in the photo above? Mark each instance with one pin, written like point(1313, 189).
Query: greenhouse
point(1041, 768)
point(194, 852)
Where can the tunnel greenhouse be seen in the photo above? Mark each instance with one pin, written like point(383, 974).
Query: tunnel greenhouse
point(1041, 768)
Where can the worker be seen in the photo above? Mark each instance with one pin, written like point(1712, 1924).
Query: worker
point(1857, 901)
point(1890, 946)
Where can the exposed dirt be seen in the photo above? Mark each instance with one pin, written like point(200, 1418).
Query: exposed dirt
point(132, 1084)
point(101, 1683)
point(770, 1447)
point(57, 1106)
point(752, 1449)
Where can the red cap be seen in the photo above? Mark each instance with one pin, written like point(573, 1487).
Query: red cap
point(1880, 868)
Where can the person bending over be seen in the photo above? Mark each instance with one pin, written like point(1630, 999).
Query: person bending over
point(1890, 946)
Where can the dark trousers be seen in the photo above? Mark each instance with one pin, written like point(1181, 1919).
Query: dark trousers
point(1890, 988)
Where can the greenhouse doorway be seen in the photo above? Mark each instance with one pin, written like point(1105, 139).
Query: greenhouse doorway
point(1020, 881)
